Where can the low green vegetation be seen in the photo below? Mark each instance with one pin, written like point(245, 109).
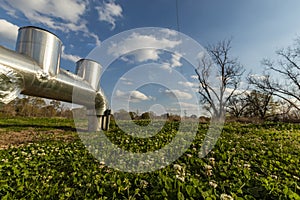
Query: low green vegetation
point(50, 162)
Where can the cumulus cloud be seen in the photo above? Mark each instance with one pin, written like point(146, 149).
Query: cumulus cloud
point(179, 94)
point(8, 32)
point(70, 57)
point(187, 84)
point(46, 11)
point(109, 12)
point(126, 81)
point(166, 66)
point(188, 106)
point(132, 46)
point(56, 14)
point(138, 96)
point(175, 61)
point(169, 32)
point(146, 54)
point(132, 96)
point(194, 76)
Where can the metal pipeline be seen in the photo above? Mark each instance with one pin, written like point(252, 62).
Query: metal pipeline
point(36, 60)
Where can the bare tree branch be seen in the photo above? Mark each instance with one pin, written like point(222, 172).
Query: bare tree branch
point(229, 72)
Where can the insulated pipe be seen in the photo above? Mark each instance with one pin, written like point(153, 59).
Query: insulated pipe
point(37, 62)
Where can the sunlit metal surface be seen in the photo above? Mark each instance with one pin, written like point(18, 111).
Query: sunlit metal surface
point(37, 62)
point(41, 45)
point(89, 70)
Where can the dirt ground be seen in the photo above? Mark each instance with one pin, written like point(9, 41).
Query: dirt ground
point(19, 138)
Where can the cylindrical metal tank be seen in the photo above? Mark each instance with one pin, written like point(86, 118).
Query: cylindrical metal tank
point(36, 63)
point(41, 45)
point(90, 71)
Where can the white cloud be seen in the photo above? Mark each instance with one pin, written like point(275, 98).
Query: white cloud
point(132, 96)
point(139, 96)
point(45, 11)
point(175, 61)
point(126, 81)
point(166, 66)
point(8, 32)
point(258, 76)
point(201, 55)
point(132, 45)
point(109, 12)
point(56, 14)
point(179, 94)
point(188, 84)
point(169, 32)
point(146, 54)
point(120, 93)
point(194, 76)
point(188, 106)
point(70, 57)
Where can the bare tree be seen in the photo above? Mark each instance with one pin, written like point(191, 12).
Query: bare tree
point(287, 71)
point(260, 105)
point(237, 106)
point(227, 71)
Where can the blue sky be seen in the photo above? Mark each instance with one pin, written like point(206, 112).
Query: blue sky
point(258, 28)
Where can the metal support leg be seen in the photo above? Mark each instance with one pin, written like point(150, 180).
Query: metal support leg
point(98, 122)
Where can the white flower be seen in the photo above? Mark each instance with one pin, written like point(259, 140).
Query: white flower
point(274, 176)
point(212, 161)
point(177, 167)
point(208, 167)
point(296, 177)
point(208, 170)
point(180, 172)
point(247, 166)
point(226, 197)
point(189, 155)
point(181, 178)
point(144, 183)
point(213, 184)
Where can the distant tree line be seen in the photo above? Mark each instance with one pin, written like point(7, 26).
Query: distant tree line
point(34, 107)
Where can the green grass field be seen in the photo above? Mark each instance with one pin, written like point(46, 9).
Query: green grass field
point(42, 158)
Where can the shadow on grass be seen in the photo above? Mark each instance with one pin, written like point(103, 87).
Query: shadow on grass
point(39, 126)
